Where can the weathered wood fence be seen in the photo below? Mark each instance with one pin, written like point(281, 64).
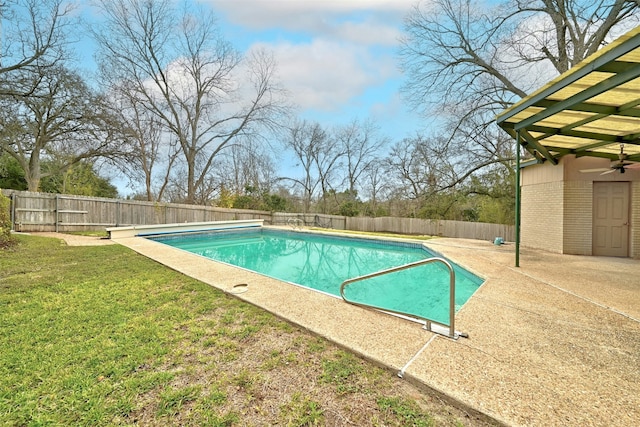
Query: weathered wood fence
point(55, 212)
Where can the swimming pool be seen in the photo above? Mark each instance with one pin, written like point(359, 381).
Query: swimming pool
point(323, 262)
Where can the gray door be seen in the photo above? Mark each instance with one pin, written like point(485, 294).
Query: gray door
point(611, 219)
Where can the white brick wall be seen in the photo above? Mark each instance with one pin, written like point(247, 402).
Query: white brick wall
point(578, 217)
point(635, 219)
point(542, 216)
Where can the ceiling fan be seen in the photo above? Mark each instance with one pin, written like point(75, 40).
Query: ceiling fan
point(621, 165)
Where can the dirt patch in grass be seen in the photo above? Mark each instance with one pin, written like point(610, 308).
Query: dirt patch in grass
point(246, 367)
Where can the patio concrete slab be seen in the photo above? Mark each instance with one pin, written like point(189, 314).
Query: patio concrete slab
point(554, 342)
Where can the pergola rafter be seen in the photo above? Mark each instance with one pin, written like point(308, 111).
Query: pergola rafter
point(589, 110)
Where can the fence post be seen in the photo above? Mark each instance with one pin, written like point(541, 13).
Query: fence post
point(56, 215)
point(117, 213)
point(12, 211)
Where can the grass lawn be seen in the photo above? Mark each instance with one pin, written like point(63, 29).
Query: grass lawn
point(103, 336)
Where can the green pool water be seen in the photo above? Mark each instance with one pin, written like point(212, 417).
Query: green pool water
point(323, 262)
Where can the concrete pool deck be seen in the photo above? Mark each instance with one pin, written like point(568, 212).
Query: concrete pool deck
point(554, 342)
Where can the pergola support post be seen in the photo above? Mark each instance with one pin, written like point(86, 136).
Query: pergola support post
point(517, 199)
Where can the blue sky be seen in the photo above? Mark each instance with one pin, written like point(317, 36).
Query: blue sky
point(337, 58)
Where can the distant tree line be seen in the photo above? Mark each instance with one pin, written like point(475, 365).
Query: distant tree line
point(177, 114)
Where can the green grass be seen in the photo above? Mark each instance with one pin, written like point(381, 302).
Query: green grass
point(98, 336)
point(409, 413)
point(301, 411)
point(343, 370)
point(82, 338)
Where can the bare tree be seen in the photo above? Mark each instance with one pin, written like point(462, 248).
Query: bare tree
point(376, 185)
point(465, 62)
point(361, 145)
point(412, 165)
point(335, 159)
point(455, 52)
point(62, 121)
point(306, 139)
point(34, 36)
point(149, 152)
point(247, 167)
point(327, 158)
point(176, 64)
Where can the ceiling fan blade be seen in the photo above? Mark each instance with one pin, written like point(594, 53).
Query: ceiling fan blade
point(609, 171)
point(633, 166)
point(594, 170)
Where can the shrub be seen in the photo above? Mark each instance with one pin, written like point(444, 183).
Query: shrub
point(6, 239)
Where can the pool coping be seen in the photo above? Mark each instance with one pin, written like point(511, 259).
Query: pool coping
point(544, 348)
point(189, 227)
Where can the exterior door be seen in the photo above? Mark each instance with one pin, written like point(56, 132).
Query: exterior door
point(611, 219)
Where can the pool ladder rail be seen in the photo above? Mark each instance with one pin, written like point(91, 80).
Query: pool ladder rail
point(295, 223)
point(430, 325)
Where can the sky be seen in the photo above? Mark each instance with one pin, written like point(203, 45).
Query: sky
point(337, 58)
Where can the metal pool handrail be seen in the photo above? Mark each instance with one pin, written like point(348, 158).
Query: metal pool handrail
point(452, 289)
point(295, 223)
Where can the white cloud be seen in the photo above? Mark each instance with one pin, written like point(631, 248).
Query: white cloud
point(333, 55)
point(334, 49)
point(369, 32)
point(362, 21)
point(325, 75)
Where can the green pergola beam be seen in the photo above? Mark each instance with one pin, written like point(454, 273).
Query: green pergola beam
point(608, 57)
point(582, 122)
point(616, 67)
point(531, 141)
point(626, 110)
point(548, 132)
point(580, 97)
point(588, 107)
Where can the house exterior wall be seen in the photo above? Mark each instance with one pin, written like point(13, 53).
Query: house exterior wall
point(577, 217)
point(635, 219)
point(542, 216)
point(557, 205)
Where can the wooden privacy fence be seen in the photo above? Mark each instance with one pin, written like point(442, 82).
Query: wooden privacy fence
point(432, 227)
point(54, 212)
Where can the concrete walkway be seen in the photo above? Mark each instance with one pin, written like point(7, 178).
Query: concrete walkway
point(555, 342)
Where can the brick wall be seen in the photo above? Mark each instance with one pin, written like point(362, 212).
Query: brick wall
point(557, 206)
point(542, 216)
point(635, 220)
point(578, 217)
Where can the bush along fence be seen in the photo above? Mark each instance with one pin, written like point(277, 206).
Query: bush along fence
point(32, 212)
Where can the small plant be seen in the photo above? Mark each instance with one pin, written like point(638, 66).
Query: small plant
point(6, 239)
point(172, 400)
point(245, 380)
point(407, 411)
point(316, 345)
point(343, 372)
point(301, 412)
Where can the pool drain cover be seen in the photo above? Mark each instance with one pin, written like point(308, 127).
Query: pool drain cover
point(240, 288)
